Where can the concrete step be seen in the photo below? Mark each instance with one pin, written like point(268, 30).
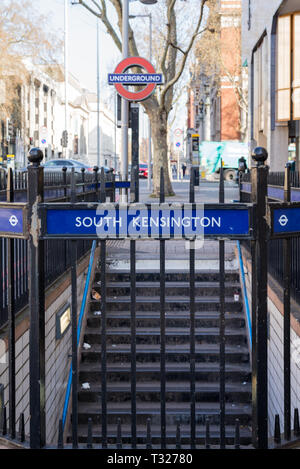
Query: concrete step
point(176, 391)
point(171, 276)
point(172, 288)
point(91, 371)
point(151, 319)
point(175, 412)
point(173, 335)
point(170, 367)
point(181, 353)
point(173, 303)
point(245, 434)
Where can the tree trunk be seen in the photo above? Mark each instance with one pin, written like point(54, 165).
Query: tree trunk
point(159, 123)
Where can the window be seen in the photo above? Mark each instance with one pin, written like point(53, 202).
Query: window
point(288, 68)
point(296, 66)
point(283, 85)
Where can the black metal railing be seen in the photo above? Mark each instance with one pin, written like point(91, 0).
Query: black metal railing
point(57, 187)
point(275, 246)
point(256, 231)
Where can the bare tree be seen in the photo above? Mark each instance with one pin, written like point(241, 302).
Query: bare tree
point(23, 36)
point(171, 64)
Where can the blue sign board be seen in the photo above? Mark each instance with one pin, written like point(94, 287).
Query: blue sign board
point(286, 220)
point(135, 78)
point(148, 221)
point(11, 221)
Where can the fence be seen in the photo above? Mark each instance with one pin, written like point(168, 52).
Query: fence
point(57, 188)
point(275, 246)
point(254, 221)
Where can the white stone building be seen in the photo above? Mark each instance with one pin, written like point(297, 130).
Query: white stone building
point(43, 114)
point(110, 134)
point(42, 120)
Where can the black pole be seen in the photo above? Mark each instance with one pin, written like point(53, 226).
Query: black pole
point(36, 303)
point(135, 176)
point(103, 323)
point(222, 320)
point(73, 257)
point(287, 316)
point(260, 367)
point(162, 255)
point(192, 323)
point(11, 316)
point(134, 110)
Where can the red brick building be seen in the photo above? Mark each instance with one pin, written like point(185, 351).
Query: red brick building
point(214, 101)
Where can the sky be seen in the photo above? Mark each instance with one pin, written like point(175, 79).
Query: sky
point(83, 39)
point(83, 43)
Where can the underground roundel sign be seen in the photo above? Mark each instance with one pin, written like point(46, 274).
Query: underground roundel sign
point(121, 78)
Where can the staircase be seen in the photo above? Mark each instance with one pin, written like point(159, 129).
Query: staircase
point(238, 374)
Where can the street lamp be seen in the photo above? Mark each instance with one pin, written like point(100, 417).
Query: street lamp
point(149, 15)
point(66, 71)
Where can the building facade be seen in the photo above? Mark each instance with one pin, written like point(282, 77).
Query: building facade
point(39, 121)
point(215, 99)
point(110, 134)
point(271, 48)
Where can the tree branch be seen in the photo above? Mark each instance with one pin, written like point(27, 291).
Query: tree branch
point(103, 17)
point(168, 39)
point(172, 82)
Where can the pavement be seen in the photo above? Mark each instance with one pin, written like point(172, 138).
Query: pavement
point(177, 251)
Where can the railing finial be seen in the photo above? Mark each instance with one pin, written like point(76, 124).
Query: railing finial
point(260, 155)
point(35, 156)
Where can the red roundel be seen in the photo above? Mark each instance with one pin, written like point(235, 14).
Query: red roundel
point(132, 62)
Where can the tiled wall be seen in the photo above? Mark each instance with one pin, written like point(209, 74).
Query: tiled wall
point(57, 367)
point(275, 362)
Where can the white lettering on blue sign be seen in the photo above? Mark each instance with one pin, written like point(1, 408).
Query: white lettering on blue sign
point(134, 78)
point(148, 221)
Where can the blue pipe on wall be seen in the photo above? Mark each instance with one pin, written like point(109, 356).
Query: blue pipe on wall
point(245, 294)
point(83, 304)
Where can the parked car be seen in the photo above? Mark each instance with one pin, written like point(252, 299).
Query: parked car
point(143, 171)
point(57, 165)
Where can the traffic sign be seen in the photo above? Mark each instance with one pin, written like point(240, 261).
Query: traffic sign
point(12, 220)
point(178, 132)
point(177, 221)
point(178, 144)
point(44, 132)
point(120, 78)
